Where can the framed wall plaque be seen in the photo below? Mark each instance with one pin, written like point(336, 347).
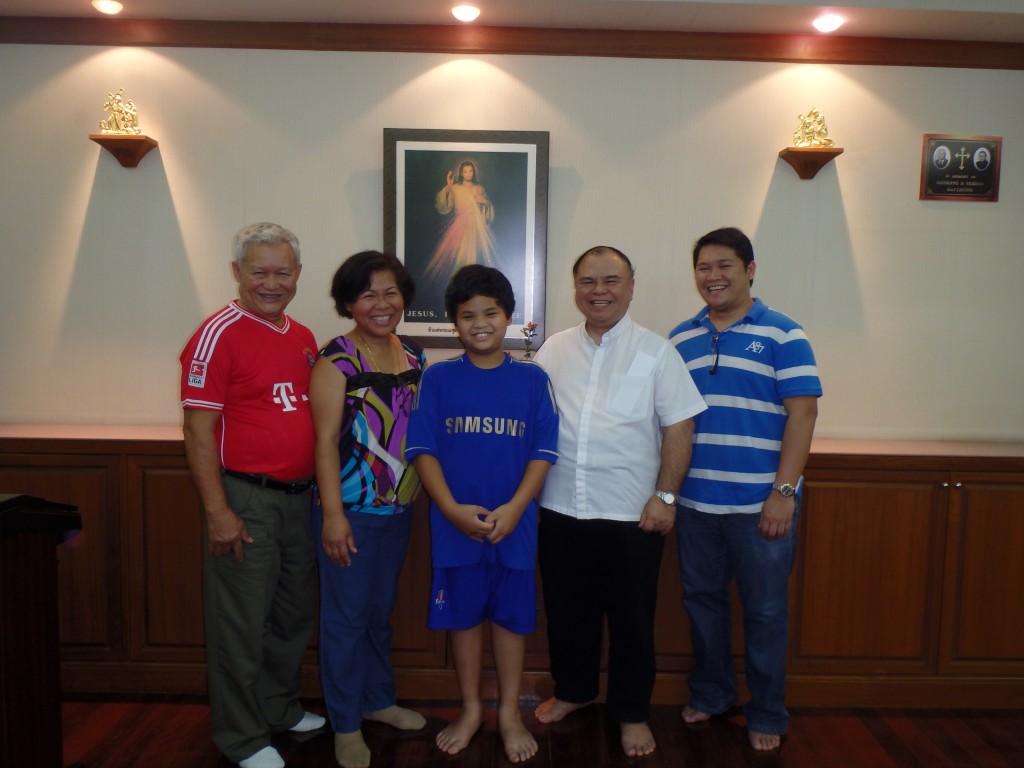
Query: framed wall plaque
point(965, 168)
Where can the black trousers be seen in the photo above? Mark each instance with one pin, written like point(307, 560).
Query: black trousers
point(592, 571)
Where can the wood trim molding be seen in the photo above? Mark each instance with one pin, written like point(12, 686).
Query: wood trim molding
point(670, 688)
point(526, 41)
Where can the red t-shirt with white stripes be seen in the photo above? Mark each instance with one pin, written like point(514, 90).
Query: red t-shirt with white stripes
point(256, 375)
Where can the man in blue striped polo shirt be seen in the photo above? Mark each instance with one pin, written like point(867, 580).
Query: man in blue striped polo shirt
point(737, 509)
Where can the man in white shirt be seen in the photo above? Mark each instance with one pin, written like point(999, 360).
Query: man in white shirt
point(626, 404)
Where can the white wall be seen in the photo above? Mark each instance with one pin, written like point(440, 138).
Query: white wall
point(107, 270)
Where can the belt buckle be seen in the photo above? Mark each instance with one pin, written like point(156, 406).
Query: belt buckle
point(297, 488)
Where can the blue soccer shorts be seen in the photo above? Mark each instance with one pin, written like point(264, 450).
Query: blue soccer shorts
point(463, 596)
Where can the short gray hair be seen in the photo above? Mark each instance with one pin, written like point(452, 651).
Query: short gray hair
point(264, 232)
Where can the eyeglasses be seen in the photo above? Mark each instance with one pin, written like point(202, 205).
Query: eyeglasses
point(714, 351)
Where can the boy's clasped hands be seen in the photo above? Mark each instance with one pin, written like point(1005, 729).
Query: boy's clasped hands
point(478, 523)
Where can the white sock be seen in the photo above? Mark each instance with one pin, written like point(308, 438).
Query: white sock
point(309, 722)
point(268, 757)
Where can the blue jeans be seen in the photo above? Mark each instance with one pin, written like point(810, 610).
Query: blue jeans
point(355, 616)
point(713, 549)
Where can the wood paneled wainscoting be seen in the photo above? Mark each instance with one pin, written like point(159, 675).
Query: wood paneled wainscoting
point(907, 592)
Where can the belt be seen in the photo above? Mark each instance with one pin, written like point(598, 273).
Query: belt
point(300, 486)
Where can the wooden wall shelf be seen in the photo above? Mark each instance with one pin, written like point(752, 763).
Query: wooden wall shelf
point(128, 149)
point(807, 161)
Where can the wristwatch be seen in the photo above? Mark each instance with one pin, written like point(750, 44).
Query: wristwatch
point(668, 498)
point(785, 489)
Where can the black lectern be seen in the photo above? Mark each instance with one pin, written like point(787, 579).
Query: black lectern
point(30, 726)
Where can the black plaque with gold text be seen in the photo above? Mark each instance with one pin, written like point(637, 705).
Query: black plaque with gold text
point(960, 167)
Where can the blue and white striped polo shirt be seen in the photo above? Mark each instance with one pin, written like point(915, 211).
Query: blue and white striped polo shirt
point(758, 362)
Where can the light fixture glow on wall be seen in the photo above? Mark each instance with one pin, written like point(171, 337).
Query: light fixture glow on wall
point(465, 12)
point(830, 22)
point(107, 6)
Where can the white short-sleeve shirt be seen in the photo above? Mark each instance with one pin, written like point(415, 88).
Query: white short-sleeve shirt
point(614, 398)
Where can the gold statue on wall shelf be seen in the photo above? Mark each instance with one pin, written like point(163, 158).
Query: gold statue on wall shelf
point(124, 115)
point(811, 131)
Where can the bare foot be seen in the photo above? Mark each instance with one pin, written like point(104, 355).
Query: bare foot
point(637, 739)
point(351, 751)
point(553, 710)
point(456, 736)
point(397, 717)
point(519, 743)
point(764, 742)
point(692, 716)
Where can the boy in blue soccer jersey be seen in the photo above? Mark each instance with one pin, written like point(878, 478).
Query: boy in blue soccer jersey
point(738, 506)
point(482, 437)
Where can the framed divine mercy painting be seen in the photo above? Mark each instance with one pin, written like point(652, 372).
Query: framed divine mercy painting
point(455, 197)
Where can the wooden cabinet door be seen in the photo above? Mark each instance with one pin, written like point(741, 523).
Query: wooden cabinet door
point(984, 579)
point(165, 561)
point(866, 598)
point(91, 617)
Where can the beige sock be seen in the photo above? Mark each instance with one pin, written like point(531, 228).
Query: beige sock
point(351, 751)
point(398, 717)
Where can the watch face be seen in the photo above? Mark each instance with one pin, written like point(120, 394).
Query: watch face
point(668, 498)
point(785, 489)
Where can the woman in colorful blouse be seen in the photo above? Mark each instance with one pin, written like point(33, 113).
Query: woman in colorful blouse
point(362, 392)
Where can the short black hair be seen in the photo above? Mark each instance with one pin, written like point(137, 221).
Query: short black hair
point(727, 237)
point(600, 250)
point(478, 280)
point(354, 275)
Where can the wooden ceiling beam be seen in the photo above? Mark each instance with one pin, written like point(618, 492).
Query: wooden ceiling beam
point(525, 41)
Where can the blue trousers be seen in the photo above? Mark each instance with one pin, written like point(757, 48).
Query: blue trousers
point(356, 602)
point(713, 549)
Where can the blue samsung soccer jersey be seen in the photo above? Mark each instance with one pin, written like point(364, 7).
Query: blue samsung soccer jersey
point(744, 373)
point(484, 425)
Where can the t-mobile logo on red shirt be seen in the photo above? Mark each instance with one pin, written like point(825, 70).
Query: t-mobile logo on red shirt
point(283, 396)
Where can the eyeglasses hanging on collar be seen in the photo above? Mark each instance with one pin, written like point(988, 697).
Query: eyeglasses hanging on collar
point(714, 352)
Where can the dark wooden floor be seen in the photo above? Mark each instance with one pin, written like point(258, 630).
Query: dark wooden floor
point(166, 732)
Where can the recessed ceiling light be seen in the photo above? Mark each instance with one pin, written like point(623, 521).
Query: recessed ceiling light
point(465, 12)
point(107, 6)
point(830, 22)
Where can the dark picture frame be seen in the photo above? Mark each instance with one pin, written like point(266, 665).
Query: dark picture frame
point(960, 167)
point(503, 225)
